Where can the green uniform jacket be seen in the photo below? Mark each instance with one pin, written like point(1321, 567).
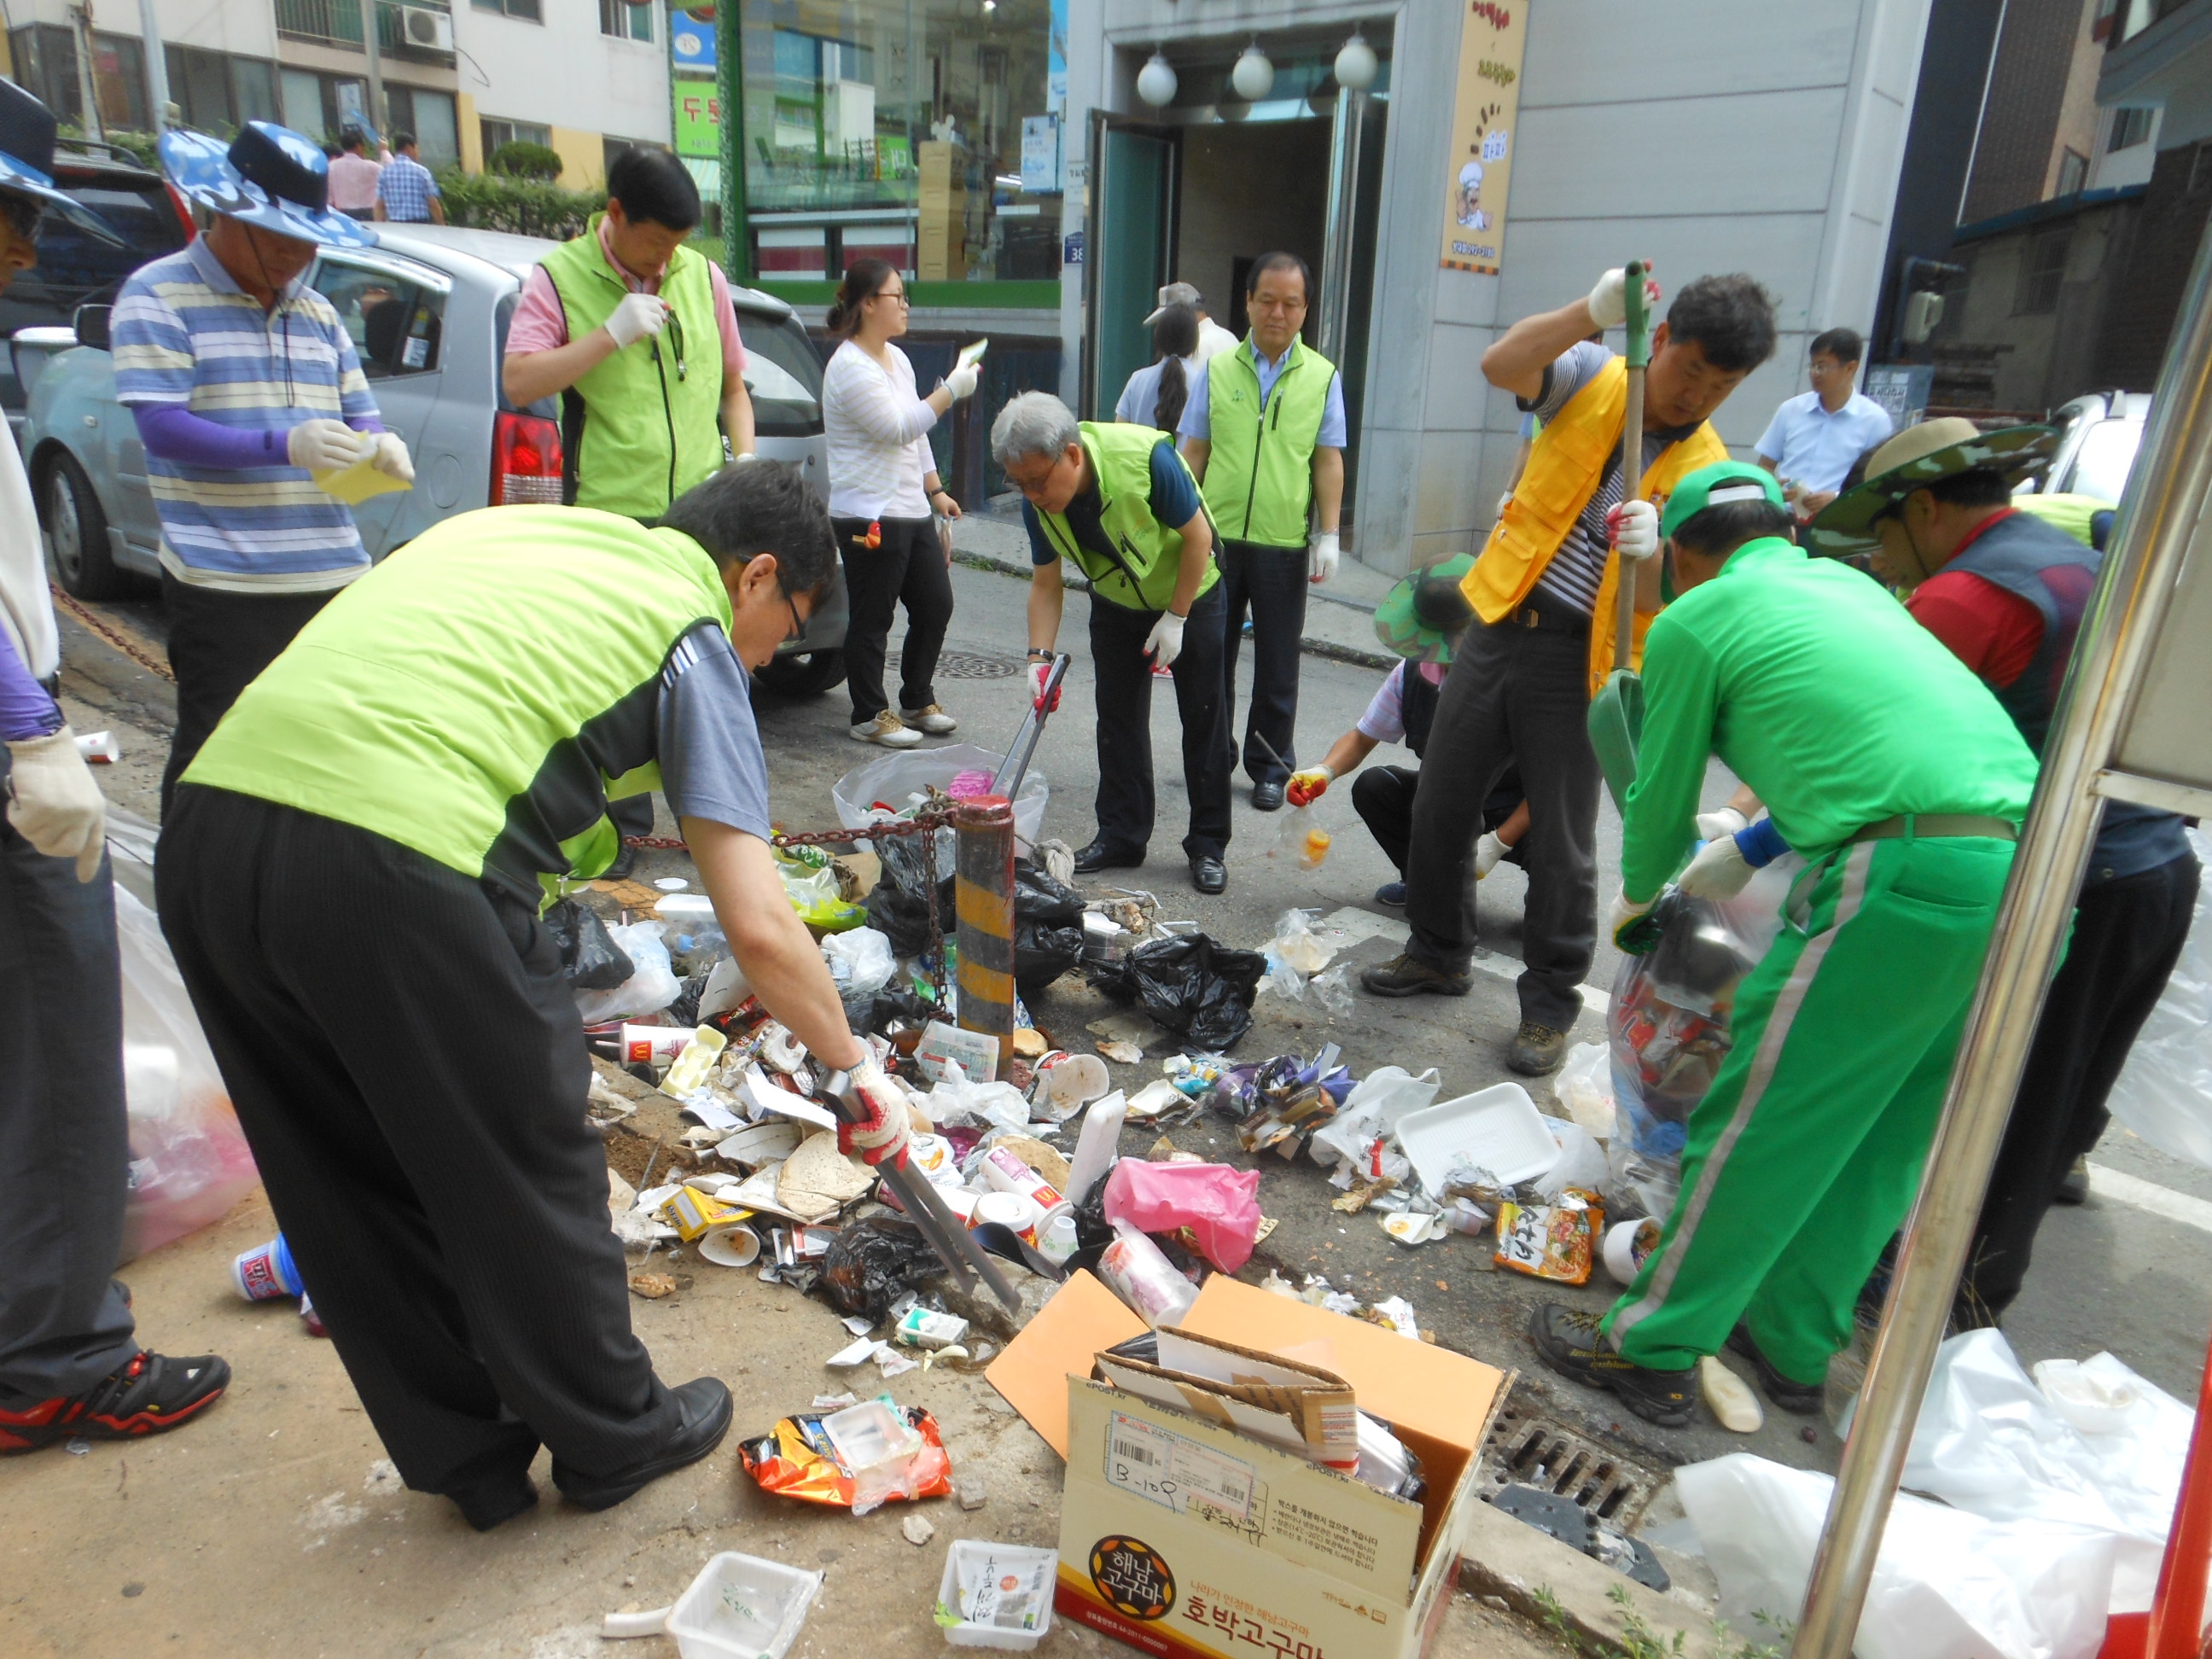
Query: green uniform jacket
point(481, 693)
point(1259, 470)
point(1148, 553)
point(1818, 689)
point(644, 425)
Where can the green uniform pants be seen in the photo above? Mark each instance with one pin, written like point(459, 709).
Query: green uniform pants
point(1805, 1154)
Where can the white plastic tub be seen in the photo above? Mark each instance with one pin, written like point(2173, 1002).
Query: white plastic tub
point(1498, 1129)
point(740, 1607)
point(1009, 1600)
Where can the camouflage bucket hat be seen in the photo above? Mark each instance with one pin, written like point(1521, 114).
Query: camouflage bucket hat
point(1421, 617)
point(1916, 458)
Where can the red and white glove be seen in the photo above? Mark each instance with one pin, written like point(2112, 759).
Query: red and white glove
point(1039, 673)
point(1632, 527)
point(883, 1137)
point(1608, 300)
point(1309, 785)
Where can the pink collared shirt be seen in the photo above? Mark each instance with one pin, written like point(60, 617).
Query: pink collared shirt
point(353, 182)
point(540, 324)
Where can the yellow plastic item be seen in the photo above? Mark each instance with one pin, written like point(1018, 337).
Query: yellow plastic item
point(359, 483)
point(1316, 850)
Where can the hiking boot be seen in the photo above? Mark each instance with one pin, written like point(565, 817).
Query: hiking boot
point(2075, 1188)
point(150, 1395)
point(1570, 1343)
point(1800, 1399)
point(932, 719)
point(886, 730)
point(1404, 976)
point(1537, 1050)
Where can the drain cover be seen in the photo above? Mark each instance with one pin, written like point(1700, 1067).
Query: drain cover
point(1527, 1450)
point(978, 666)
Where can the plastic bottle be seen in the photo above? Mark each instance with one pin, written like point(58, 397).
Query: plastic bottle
point(1138, 1272)
point(1097, 1147)
point(1058, 1244)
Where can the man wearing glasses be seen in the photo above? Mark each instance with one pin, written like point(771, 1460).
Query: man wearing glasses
point(415, 1098)
point(1815, 436)
point(635, 334)
point(1264, 434)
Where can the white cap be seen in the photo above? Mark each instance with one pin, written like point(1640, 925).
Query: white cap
point(1175, 293)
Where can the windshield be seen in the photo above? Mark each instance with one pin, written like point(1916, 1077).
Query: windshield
point(783, 372)
point(2100, 466)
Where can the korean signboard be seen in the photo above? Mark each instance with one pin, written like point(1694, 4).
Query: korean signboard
point(1483, 119)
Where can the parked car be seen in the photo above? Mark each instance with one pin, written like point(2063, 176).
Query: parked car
point(76, 268)
point(2099, 435)
point(428, 309)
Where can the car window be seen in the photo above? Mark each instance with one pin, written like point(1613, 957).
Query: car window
point(783, 372)
point(2101, 465)
point(394, 320)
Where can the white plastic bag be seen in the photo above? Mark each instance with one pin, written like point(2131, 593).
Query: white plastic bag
point(1946, 1585)
point(1582, 1161)
point(1373, 1107)
point(860, 961)
point(894, 777)
point(992, 1105)
point(2164, 1093)
point(1585, 1087)
point(649, 990)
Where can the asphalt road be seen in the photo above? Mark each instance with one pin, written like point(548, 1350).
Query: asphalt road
point(2131, 1274)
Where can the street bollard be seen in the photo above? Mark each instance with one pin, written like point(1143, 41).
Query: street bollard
point(983, 900)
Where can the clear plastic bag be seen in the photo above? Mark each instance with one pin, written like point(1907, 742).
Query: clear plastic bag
point(860, 961)
point(1382, 1096)
point(2164, 1091)
point(648, 991)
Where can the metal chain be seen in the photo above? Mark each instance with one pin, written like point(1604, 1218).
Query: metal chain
point(99, 626)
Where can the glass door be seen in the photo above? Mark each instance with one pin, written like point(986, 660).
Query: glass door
point(1129, 240)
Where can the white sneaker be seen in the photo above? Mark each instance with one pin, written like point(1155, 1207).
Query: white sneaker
point(886, 729)
point(932, 719)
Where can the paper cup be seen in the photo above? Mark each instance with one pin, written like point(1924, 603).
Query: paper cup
point(731, 1247)
point(1075, 1081)
point(1626, 1245)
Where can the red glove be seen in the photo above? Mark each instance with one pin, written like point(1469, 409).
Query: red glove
point(1308, 785)
point(1039, 673)
point(884, 1136)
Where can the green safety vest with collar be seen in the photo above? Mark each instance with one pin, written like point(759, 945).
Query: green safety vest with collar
point(644, 425)
point(482, 694)
point(1147, 554)
point(1259, 472)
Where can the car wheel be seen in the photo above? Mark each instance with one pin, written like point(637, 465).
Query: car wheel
point(78, 529)
point(801, 673)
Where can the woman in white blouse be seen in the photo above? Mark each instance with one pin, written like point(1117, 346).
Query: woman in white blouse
point(883, 488)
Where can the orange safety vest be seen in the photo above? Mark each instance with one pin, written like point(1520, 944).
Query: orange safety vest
point(1564, 467)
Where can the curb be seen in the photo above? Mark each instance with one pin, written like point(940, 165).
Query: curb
point(1309, 646)
point(1514, 1566)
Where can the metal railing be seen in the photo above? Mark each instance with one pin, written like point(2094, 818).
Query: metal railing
point(337, 23)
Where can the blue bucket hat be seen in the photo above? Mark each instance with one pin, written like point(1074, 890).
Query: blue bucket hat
point(26, 159)
point(270, 176)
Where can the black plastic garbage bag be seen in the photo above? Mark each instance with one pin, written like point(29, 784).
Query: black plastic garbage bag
point(870, 1263)
point(589, 955)
point(1047, 927)
point(898, 905)
point(1196, 988)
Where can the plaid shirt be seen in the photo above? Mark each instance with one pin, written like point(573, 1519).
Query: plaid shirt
point(405, 189)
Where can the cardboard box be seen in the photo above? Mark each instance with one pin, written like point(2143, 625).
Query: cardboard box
point(938, 162)
point(1298, 1408)
point(1188, 1540)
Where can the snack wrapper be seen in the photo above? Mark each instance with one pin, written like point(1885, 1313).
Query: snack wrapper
point(1557, 1241)
point(795, 1460)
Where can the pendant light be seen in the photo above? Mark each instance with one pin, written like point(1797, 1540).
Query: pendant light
point(1355, 65)
point(1156, 82)
point(1253, 75)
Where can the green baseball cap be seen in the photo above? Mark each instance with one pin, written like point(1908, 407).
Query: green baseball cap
point(1427, 610)
point(1716, 486)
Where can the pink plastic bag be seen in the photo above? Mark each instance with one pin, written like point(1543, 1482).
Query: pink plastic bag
point(1218, 1204)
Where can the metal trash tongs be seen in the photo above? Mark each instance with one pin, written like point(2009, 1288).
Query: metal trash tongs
point(955, 1245)
point(1023, 750)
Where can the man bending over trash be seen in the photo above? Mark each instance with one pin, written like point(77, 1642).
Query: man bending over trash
point(1893, 769)
point(351, 879)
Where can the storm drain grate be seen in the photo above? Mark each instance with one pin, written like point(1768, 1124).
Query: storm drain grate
point(1527, 1450)
point(978, 666)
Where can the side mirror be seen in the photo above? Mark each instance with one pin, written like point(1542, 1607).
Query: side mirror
point(91, 324)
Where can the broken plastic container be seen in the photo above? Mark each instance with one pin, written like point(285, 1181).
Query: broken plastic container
point(996, 1595)
point(879, 1446)
point(1498, 1129)
point(742, 1607)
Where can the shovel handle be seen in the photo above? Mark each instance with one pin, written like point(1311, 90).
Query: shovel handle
point(1631, 456)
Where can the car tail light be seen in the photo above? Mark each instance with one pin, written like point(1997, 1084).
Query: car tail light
point(184, 210)
point(526, 461)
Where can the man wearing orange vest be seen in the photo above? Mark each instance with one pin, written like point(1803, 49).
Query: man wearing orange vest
point(1543, 591)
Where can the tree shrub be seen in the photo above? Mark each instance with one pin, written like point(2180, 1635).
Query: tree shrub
point(525, 161)
point(526, 207)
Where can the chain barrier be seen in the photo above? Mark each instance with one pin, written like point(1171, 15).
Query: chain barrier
point(105, 631)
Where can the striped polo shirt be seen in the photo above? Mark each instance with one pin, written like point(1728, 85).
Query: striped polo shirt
point(185, 333)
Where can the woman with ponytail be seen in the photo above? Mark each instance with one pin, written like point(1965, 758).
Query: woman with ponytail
point(883, 489)
point(1156, 394)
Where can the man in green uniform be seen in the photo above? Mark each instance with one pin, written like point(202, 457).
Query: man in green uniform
point(1893, 771)
point(351, 880)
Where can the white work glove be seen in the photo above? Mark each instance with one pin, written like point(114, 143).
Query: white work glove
point(637, 316)
point(392, 458)
point(322, 445)
point(883, 1139)
point(54, 803)
point(1164, 643)
point(961, 382)
point(1719, 871)
point(1720, 822)
point(1622, 911)
point(1308, 784)
point(1501, 500)
point(1039, 673)
point(1632, 527)
point(1321, 556)
point(1608, 300)
point(1487, 852)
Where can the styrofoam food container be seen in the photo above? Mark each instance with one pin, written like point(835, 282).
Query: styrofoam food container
point(1498, 1129)
point(1027, 1576)
point(740, 1607)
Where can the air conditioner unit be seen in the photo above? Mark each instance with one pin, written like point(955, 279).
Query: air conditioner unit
point(421, 27)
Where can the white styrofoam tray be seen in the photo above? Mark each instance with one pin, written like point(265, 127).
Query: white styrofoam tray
point(1498, 1129)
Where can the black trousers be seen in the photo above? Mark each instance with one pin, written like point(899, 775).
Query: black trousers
point(1522, 693)
point(1125, 802)
point(407, 1063)
point(1270, 583)
point(64, 1135)
point(632, 815)
point(1383, 798)
point(907, 569)
point(2127, 934)
point(218, 643)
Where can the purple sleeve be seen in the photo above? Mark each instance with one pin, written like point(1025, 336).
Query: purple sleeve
point(176, 435)
point(26, 710)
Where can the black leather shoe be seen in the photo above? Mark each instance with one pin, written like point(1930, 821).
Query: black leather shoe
point(1208, 874)
point(1267, 797)
point(704, 1417)
point(1099, 856)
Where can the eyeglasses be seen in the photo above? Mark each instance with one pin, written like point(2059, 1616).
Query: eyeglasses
point(797, 622)
point(895, 298)
point(24, 214)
